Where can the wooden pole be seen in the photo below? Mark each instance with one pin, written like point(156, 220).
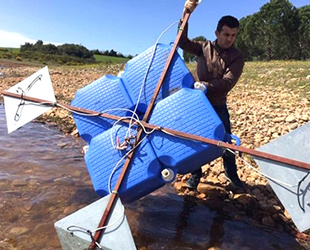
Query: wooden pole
point(114, 194)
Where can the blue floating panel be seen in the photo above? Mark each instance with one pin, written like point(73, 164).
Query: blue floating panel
point(189, 111)
point(177, 77)
point(177, 107)
point(108, 92)
point(143, 176)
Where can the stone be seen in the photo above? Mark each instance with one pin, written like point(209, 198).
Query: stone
point(287, 214)
point(179, 186)
point(305, 118)
point(244, 199)
point(64, 180)
point(278, 119)
point(212, 179)
point(19, 230)
point(217, 169)
point(222, 178)
point(290, 119)
point(293, 126)
point(201, 196)
point(75, 132)
point(42, 227)
point(272, 209)
point(19, 183)
point(211, 190)
point(268, 221)
point(62, 145)
point(28, 206)
point(69, 210)
point(283, 218)
point(76, 173)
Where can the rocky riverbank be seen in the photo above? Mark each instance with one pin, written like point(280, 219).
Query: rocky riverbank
point(262, 109)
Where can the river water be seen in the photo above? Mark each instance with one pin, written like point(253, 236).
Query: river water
point(43, 178)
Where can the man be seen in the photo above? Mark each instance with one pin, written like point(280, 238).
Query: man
point(219, 66)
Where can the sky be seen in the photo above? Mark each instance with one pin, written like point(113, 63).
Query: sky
point(126, 26)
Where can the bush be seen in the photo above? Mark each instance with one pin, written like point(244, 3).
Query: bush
point(18, 58)
point(7, 55)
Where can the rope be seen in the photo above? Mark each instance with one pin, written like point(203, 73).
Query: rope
point(148, 69)
point(247, 164)
point(80, 229)
point(119, 162)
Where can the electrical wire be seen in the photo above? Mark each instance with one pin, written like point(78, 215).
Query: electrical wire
point(80, 229)
point(119, 162)
point(260, 173)
point(128, 132)
point(148, 69)
point(113, 223)
point(133, 118)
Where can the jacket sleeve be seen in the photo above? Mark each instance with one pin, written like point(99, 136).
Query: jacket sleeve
point(230, 77)
point(190, 46)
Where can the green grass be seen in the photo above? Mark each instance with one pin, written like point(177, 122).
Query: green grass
point(13, 50)
point(291, 75)
point(110, 59)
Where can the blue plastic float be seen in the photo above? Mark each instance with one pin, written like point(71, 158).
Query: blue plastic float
point(178, 106)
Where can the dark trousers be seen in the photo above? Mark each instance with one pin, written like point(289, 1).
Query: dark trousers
point(228, 158)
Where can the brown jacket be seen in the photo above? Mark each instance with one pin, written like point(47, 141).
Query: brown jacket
point(218, 68)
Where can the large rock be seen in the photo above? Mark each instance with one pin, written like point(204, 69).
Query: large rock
point(212, 190)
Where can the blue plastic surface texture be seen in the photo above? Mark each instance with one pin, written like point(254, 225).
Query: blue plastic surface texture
point(108, 92)
point(178, 107)
point(176, 78)
point(189, 111)
point(142, 177)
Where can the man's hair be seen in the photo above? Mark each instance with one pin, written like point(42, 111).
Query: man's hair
point(229, 21)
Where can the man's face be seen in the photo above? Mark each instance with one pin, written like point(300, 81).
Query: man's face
point(226, 37)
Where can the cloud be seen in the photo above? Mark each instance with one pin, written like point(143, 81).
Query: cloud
point(15, 40)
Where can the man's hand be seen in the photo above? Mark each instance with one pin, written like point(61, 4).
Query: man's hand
point(190, 5)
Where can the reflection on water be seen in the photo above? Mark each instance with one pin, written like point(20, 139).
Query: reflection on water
point(43, 178)
point(164, 220)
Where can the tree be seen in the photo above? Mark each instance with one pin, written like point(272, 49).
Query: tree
point(120, 55)
point(25, 47)
point(75, 50)
point(272, 33)
point(112, 53)
point(189, 57)
point(247, 37)
point(304, 32)
point(49, 49)
point(96, 52)
point(38, 45)
point(105, 53)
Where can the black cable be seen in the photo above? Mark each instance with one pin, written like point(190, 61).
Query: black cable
point(298, 192)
